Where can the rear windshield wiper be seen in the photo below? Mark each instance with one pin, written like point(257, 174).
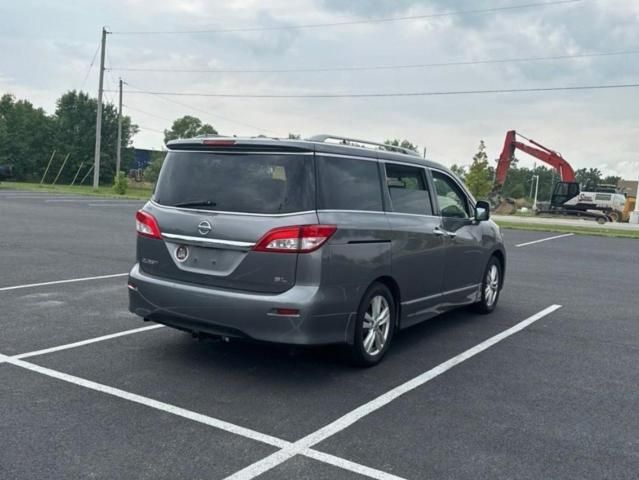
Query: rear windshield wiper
point(196, 203)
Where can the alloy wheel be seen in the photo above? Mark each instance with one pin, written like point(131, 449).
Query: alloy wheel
point(376, 325)
point(491, 288)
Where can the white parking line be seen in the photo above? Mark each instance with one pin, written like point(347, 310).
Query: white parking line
point(58, 282)
point(122, 203)
point(196, 417)
point(287, 449)
point(149, 402)
point(544, 240)
point(350, 418)
point(348, 465)
point(87, 342)
point(37, 197)
point(88, 199)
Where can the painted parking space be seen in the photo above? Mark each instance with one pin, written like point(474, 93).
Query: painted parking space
point(97, 369)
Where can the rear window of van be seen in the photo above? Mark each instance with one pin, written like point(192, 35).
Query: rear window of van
point(237, 182)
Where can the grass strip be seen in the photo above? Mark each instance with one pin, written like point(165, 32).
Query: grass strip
point(579, 230)
point(133, 193)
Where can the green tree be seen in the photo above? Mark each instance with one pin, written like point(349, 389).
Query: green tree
point(479, 178)
point(518, 182)
point(188, 127)
point(611, 180)
point(74, 118)
point(152, 171)
point(588, 176)
point(459, 170)
point(402, 143)
point(294, 136)
point(26, 139)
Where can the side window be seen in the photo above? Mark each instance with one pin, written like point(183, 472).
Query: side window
point(452, 201)
point(346, 184)
point(408, 189)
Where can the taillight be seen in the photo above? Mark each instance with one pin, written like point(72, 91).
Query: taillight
point(147, 225)
point(220, 143)
point(297, 239)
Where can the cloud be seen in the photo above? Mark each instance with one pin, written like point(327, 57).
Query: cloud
point(43, 58)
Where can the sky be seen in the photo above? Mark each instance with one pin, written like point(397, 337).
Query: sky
point(46, 48)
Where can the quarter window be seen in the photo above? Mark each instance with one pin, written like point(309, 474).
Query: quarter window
point(408, 189)
point(452, 201)
point(348, 184)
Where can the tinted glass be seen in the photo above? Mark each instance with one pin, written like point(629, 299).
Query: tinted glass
point(249, 183)
point(452, 202)
point(408, 189)
point(346, 184)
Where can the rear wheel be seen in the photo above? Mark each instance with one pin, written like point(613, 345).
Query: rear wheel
point(375, 326)
point(490, 288)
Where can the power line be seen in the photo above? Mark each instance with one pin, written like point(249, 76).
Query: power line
point(197, 109)
point(381, 67)
point(390, 94)
point(351, 22)
point(128, 107)
point(90, 67)
point(150, 129)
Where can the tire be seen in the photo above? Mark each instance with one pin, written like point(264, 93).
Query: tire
point(490, 287)
point(368, 350)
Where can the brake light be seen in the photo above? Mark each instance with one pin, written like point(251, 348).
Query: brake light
point(297, 239)
point(219, 143)
point(147, 225)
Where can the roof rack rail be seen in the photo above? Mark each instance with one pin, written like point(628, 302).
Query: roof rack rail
point(362, 143)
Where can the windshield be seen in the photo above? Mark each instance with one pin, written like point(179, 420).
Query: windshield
point(250, 183)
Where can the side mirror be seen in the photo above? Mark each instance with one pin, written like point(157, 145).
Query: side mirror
point(482, 211)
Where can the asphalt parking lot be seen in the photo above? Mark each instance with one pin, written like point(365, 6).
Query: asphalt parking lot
point(90, 391)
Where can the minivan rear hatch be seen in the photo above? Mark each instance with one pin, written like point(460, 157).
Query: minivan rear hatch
point(213, 205)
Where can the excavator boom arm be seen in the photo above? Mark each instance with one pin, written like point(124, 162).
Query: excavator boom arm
point(552, 158)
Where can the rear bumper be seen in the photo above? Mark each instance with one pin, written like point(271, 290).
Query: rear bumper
point(215, 311)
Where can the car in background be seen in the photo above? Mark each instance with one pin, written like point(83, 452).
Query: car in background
point(6, 172)
point(310, 242)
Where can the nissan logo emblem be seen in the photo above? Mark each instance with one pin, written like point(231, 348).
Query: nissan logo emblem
point(204, 227)
point(182, 253)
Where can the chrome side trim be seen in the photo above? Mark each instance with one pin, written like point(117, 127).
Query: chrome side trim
point(415, 162)
point(353, 157)
point(207, 242)
point(422, 299)
point(443, 294)
point(377, 212)
point(215, 212)
point(413, 215)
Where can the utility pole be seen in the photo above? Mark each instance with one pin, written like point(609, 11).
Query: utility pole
point(536, 192)
point(634, 216)
point(118, 155)
point(98, 121)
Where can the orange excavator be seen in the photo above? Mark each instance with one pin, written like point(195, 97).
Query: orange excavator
point(545, 154)
point(602, 203)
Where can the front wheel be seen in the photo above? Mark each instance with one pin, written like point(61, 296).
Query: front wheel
point(375, 326)
point(490, 287)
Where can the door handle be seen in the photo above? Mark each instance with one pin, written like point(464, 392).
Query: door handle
point(439, 232)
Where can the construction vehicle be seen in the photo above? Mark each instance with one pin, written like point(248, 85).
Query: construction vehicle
point(603, 203)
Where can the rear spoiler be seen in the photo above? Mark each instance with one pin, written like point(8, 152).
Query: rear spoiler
point(239, 145)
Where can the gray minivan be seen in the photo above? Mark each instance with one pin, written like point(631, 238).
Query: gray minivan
point(321, 241)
